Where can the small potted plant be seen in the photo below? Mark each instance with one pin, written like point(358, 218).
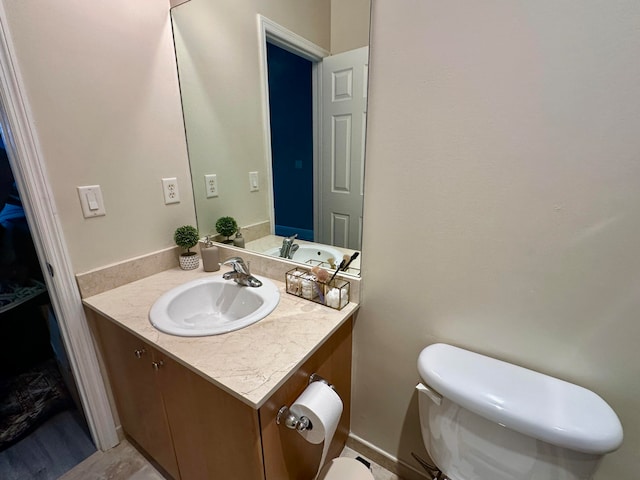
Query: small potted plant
point(227, 226)
point(187, 237)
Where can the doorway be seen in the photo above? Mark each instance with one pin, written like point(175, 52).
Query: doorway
point(28, 168)
point(291, 119)
point(43, 432)
point(320, 125)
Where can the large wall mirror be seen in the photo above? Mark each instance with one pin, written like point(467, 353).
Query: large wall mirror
point(274, 98)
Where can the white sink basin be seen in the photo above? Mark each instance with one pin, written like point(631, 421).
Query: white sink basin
point(212, 305)
point(310, 254)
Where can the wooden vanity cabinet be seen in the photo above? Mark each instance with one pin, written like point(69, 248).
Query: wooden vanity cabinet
point(190, 427)
point(195, 430)
point(133, 379)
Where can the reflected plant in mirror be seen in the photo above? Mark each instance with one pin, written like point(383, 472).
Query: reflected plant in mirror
point(274, 100)
point(227, 226)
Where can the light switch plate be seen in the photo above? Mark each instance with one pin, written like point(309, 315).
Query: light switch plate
point(254, 186)
point(91, 201)
point(170, 190)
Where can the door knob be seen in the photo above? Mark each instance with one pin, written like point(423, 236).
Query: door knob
point(138, 353)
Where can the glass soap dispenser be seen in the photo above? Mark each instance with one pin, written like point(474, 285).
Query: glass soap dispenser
point(210, 256)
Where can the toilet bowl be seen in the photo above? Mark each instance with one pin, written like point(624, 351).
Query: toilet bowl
point(485, 419)
point(344, 468)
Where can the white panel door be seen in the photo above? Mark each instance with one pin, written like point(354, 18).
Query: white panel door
point(341, 170)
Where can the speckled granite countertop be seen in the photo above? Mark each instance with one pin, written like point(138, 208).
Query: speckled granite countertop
point(251, 363)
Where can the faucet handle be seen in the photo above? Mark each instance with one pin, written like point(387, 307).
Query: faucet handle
point(238, 265)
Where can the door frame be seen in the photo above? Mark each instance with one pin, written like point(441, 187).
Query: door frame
point(26, 160)
point(276, 34)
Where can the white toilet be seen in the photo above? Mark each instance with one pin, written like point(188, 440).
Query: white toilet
point(484, 419)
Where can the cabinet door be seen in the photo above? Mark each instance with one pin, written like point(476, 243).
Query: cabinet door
point(215, 435)
point(287, 456)
point(138, 399)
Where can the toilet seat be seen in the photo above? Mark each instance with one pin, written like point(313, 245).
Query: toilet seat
point(344, 468)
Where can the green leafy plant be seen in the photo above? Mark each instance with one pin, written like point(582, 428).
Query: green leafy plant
point(226, 226)
point(186, 237)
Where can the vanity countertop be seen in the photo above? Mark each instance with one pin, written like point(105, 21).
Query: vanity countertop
point(251, 363)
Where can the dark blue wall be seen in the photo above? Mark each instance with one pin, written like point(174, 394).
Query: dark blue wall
point(291, 141)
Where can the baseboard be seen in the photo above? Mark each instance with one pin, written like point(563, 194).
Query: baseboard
point(120, 433)
point(384, 459)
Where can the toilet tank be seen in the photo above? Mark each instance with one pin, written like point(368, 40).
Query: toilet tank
point(485, 419)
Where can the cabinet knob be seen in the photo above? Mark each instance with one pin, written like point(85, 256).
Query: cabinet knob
point(157, 365)
point(138, 353)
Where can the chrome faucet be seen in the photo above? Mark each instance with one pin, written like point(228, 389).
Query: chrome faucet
point(241, 274)
point(288, 247)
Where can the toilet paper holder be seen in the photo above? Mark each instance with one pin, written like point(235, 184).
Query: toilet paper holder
point(290, 419)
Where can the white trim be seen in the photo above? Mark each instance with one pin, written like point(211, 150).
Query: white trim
point(30, 174)
point(316, 93)
point(266, 122)
point(290, 41)
point(294, 43)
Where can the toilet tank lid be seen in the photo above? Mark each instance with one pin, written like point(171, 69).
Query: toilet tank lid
point(529, 402)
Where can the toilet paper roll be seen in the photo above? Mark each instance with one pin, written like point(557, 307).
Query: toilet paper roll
point(323, 407)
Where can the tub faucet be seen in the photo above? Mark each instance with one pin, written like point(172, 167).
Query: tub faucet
point(241, 274)
point(288, 247)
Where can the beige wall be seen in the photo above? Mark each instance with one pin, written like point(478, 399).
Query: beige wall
point(503, 204)
point(222, 89)
point(349, 24)
point(100, 78)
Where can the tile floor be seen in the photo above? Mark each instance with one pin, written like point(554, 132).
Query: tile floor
point(124, 462)
point(378, 472)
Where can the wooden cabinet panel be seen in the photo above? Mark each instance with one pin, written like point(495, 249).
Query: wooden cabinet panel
point(138, 398)
point(215, 435)
point(287, 456)
point(195, 430)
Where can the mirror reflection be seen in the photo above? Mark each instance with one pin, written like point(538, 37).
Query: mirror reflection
point(274, 98)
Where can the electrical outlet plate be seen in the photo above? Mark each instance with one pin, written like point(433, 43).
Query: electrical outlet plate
point(170, 190)
point(211, 185)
